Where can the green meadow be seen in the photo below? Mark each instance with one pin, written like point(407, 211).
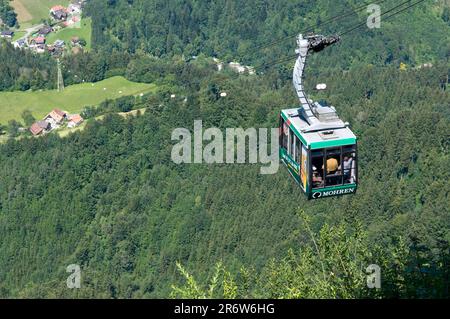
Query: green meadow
point(73, 99)
point(81, 30)
point(33, 11)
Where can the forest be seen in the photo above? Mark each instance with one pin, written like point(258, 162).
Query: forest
point(110, 199)
point(7, 14)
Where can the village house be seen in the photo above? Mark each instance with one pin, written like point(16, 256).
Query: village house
point(72, 21)
point(56, 9)
point(55, 118)
point(40, 48)
point(75, 120)
point(58, 13)
point(46, 30)
point(75, 41)
point(59, 44)
point(74, 8)
point(241, 68)
point(38, 41)
point(8, 34)
point(20, 44)
point(39, 127)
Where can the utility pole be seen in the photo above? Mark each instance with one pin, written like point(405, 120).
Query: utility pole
point(60, 84)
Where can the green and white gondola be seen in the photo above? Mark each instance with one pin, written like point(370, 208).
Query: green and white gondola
point(318, 148)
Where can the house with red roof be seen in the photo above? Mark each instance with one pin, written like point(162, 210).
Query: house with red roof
point(38, 41)
point(55, 117)
point(39, 127)
point(59, 12)
point(75, 120)
point(57, 8)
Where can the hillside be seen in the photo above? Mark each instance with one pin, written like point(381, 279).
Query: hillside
point(236, 30)
point(73, 99)
point(110, 199)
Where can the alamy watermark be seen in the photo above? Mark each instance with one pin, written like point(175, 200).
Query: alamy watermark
point(373, 276)
point(374, 19)
point(74, 279)
point(230, 148)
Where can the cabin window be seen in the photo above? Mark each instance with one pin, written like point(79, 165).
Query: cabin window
point(349, 164)
point(284, 131)
point(334, 166)
point(298, 150)
point(291, 143)
point(317, 168)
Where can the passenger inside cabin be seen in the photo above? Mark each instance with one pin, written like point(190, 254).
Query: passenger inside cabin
point(334, 176)
point(317, 179)
point(348, 166)
point(332, 165)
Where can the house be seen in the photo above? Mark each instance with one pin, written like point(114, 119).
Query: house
point(38, 41)
point(40, 48)
point(60, 15)
point(57, 8)
point(74, 8)
point(58, 12)
point(45, 30)
point(75, 120)
point(59, 43)
point(55, 117)
point(75, 40)
point(71, 21)
point(8, 34)
point(237, 67)
point(39, 127)
point(242, 68)
point(20, 43)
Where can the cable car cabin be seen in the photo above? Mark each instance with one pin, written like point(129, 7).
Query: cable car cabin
point(324, 162)
point(317, 147)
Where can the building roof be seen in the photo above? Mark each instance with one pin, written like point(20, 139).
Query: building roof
point(38, 127)
point(35, 129)
point(59, 43)
point(43, 124)
point(76, 118)
point(58, 8)
point(7, 32)
point(318, 139)
point(45, 30)
point(39, 40)
point(60, 14)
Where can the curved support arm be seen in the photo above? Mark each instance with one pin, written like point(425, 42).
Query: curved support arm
point(314, 43)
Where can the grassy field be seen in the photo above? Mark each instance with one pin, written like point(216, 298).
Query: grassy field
point(82, 31)
point(18, 35)
point(73, 99)
point(32, 11)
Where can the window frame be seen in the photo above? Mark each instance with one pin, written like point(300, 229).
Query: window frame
point(283, 137)
point(324, 154)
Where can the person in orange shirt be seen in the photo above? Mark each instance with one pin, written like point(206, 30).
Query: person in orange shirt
point(332, 165)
